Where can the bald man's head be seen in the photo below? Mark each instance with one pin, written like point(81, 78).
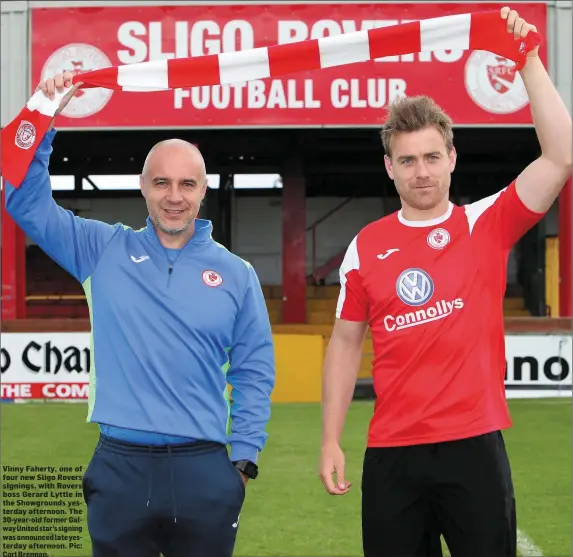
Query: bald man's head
point(167, 146)
point(174, 182)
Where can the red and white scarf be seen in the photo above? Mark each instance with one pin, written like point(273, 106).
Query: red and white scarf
point(476, 31)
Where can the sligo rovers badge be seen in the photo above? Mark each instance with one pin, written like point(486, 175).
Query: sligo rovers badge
point(501, 75)
point(212, 278)
point(438, 238)
point(493, 83)
point(25, 135)
point(79, 58)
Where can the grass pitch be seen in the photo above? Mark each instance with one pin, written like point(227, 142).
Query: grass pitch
point(286, 511)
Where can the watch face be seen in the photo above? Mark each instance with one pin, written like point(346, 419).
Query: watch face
point(249, 469)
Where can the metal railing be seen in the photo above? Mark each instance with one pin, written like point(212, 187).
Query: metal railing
point(316, 273)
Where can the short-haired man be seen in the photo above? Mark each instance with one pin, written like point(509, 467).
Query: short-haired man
point(175, 318)
point(429, 281)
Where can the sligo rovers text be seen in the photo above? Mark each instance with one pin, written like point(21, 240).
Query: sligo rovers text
point(439, 310)
point(146, 42)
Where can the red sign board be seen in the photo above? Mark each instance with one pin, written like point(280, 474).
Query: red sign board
point(475, 88)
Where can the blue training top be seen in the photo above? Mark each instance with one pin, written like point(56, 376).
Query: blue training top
point(166, 337)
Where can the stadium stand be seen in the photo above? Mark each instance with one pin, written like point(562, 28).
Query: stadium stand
point(53, 293)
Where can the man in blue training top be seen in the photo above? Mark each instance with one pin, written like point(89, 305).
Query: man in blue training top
point(175, 317)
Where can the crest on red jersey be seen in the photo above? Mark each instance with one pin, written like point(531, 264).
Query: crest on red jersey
point(212, 278)
point(438, 238)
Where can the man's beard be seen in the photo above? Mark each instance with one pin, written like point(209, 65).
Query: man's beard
point(423, 200)
point(169, 230)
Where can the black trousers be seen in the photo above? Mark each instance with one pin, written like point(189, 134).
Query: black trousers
point(181, 500)
point(460, 489)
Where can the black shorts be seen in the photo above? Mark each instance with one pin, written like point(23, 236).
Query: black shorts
point(460, 489)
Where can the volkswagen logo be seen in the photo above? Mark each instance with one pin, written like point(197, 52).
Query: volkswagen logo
point(414, 287)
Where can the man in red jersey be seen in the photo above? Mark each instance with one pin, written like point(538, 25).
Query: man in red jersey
point(429, 282)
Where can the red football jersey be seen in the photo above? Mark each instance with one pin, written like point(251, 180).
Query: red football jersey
point(432, 293)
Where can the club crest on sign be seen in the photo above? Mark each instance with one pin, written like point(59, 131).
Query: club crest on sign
point(438, 238)
point(25, 135)
point(79, 58)
point(212, 278)
point(494, 84)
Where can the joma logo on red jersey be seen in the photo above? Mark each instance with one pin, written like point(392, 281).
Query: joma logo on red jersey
point(437, 311)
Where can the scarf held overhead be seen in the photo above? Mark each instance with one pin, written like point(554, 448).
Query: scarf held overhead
point(475, 31)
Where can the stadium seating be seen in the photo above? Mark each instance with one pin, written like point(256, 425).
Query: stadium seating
point(51, 292)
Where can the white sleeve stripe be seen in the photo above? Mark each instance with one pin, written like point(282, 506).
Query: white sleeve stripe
point(475, 210)
point(349, 263)
point(351, 260)
point(341, 299)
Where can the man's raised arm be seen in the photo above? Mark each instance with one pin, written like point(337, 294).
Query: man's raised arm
point(73, 242)
point(541, 182)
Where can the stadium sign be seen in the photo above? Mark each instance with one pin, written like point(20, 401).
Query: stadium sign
point(56, 366)
point(538, 365)
point(475, 88)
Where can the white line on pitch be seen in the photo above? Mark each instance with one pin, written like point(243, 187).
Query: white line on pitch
point(526, 546)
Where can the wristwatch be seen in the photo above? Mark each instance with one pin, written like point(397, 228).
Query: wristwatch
point(250, 469)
